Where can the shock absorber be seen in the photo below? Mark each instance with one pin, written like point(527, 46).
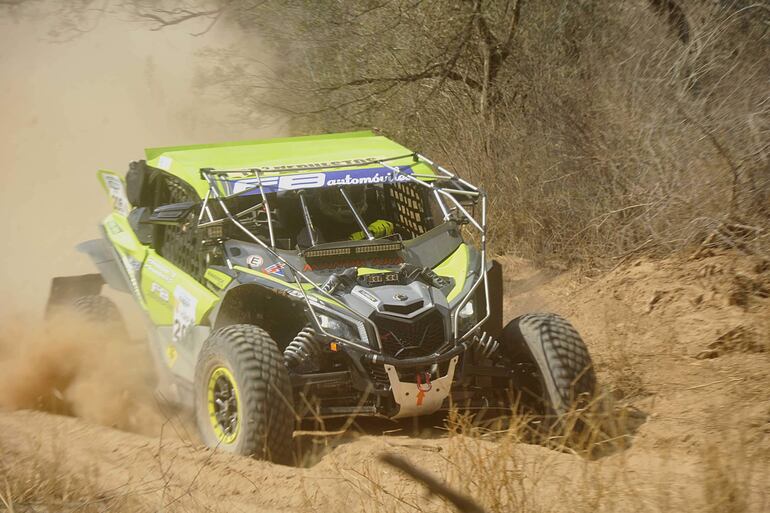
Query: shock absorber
point(485, 345)
point(304, 347)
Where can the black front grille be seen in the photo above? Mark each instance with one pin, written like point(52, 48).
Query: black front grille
point(410, 338)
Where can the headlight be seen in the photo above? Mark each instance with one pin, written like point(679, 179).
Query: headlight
point(467, 312)
point(345, 330)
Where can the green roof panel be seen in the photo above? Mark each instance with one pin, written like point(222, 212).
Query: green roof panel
point(284, 156)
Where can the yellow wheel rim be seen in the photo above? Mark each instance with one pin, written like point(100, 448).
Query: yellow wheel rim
point(224, 405)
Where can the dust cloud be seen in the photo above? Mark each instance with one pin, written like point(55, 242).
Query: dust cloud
point(68, 109)
point(67, 368)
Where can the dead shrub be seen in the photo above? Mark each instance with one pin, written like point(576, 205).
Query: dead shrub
point(599, 129)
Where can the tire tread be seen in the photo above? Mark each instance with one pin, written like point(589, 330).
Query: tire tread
point(265, 389)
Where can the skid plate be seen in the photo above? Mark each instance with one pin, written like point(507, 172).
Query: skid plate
point(406, 394)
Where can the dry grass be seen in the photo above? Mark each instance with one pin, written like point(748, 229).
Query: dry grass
point(43, 484)
point(585, 463)
point(497, 472)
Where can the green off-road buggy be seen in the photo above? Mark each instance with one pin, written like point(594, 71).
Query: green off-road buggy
point(323, 276)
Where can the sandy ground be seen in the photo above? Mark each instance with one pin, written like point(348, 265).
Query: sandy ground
point(681, 351)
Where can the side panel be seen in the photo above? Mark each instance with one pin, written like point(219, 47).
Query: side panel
point(130, 252)
point(173, 297)
point(115, 187)
point(177, 304)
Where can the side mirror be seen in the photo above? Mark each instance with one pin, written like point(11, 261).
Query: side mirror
point(174, 214)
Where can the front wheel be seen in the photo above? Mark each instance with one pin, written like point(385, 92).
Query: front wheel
point(556, 373)
point(243, 396)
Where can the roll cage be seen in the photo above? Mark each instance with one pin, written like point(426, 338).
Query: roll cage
point(444, 187)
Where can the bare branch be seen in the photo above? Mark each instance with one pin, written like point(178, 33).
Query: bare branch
point(463, 503)
point(162, 18)
point(434, 71)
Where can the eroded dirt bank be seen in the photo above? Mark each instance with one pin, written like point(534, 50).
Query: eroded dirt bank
point(681, 349)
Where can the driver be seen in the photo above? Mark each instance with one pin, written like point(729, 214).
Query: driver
point(337, 221)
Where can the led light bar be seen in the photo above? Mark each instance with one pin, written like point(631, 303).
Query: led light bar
point(378, 248)
point(315, 253)
point(354, 250)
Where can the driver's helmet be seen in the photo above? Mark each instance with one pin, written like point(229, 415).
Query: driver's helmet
point(334, 206)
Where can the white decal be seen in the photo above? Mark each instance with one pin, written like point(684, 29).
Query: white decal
point(376, 178)
point(366, 295)
point(132, 266)
point(254, 261)
point(184, 313)
point(113, 227)
point(283, 183)
point(117, 192)
point(333, 163)
point(312, 180)
point(164, 162)
point(160, 292)
point(161, 270)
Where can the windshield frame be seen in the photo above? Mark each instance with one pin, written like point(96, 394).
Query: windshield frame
point(444, 186)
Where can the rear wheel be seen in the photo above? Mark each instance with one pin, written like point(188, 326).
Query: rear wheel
point(101, 312)
point(554, 372)
point(243, 395)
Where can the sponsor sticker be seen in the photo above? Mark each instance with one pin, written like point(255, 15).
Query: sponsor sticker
point(171, 355)
point(117, 192)
point(113, 227)
point(254, 261)
point(276, 269)
point(164, 163)
point(366, 295)
point(159, 269)
point(319, 165)
point(217, 278)
point(132, 266)
point(160, 292)
point(315, 180)
point(184, 313)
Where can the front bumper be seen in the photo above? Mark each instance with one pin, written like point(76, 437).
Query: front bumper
point(380, 359)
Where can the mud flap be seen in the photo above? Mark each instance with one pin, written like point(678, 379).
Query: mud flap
point(493, 325)
point(65, 289)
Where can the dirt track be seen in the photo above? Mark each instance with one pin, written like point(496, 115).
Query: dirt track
point(680, 345)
